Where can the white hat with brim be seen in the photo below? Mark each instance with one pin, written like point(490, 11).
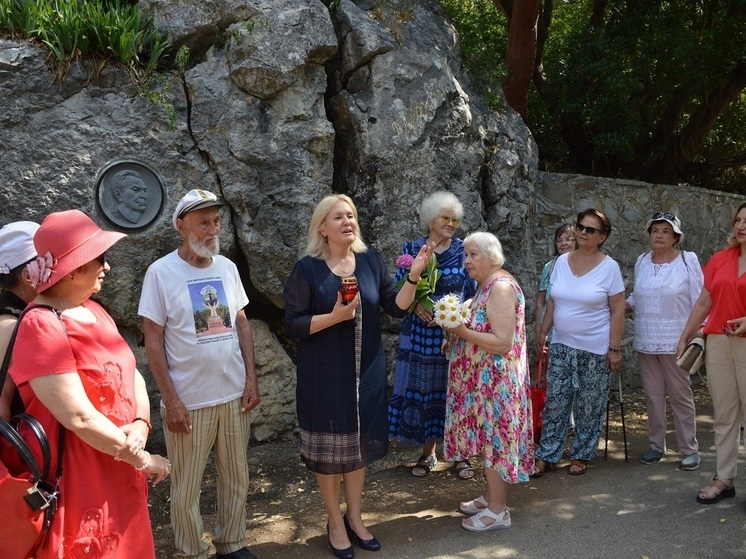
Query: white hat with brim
point(195, 199)
point(669, 218)
point(17, 245)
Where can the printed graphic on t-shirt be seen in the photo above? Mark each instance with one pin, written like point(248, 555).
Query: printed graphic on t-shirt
point(212, 318)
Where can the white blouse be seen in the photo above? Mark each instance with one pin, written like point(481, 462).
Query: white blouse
point(662, 299)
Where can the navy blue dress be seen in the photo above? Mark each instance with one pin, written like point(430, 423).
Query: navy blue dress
point(341, 412)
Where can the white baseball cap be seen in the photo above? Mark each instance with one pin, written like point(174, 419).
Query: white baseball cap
point(195, 199)
point(17, 244)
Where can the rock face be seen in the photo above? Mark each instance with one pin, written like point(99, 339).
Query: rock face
point(282, 102)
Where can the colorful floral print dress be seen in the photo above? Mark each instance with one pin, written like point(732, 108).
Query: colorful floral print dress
point(488, 407)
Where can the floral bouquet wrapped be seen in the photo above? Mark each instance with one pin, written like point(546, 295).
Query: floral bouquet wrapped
point(449, 311)
point(426, 285)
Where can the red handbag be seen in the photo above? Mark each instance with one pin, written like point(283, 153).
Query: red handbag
point(539, 394)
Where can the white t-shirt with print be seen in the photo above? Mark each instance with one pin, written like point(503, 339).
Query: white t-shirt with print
point(197, 308)
point(582, 318)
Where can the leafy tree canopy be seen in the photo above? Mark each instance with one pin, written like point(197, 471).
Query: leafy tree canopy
point(652, 90)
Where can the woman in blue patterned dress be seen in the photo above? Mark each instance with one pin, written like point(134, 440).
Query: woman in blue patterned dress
point(417, 407)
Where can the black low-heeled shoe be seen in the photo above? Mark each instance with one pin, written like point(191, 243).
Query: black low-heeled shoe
point(368, 545)
point(346, 553)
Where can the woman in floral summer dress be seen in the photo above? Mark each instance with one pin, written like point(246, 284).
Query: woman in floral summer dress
point(488, 409)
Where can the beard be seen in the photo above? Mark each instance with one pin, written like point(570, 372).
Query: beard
point(201, 249)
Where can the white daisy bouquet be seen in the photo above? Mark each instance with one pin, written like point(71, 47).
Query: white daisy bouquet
point(450, 311)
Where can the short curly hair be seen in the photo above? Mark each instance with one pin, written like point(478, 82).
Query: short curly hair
point(436, 202)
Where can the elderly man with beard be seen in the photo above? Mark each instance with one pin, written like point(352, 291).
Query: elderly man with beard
point(201, 351)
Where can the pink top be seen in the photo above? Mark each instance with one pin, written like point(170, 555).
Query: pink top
point(104, 503)
point(727, 289)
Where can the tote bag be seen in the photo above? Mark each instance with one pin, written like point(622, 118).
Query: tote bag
point(539, 394)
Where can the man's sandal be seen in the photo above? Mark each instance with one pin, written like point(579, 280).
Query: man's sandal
point(716, 491)
point(499, 521)
point(577, 467)
point(425, 463)
point(540, 466)
point(464, 469)
point(474, 507)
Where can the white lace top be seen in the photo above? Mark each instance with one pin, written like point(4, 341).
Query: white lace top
point(662, 299)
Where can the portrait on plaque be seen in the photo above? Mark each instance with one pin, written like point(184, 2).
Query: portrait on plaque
point(129, 194)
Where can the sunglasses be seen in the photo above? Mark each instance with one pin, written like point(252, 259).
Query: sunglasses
point(101, 259)
point(446, 219)
point(590, 230)
point(663, 215)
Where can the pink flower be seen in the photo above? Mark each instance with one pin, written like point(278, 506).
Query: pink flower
point(405, 261)
point(41, 269)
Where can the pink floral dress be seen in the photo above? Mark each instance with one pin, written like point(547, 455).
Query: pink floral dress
point(488, 406)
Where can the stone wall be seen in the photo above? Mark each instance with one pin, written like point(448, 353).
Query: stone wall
point(705, 216)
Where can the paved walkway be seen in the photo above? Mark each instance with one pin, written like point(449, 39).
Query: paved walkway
point(616, 510)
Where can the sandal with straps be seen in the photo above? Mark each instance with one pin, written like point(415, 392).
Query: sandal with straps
point(463, 469)
point(713, 493)
point(473, 507)
point(500, 521)
point(425, 463)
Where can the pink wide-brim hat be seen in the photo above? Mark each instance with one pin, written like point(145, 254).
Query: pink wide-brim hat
point(72, 239)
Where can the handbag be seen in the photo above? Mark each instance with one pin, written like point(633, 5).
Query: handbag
point(694, 355)
point(28, 499)
point(539, 394)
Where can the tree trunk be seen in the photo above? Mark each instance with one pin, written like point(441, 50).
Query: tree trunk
point(521, 53)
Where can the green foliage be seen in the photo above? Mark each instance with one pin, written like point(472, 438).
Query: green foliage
point(156, 90)
point(621, 93)
point(111, 31)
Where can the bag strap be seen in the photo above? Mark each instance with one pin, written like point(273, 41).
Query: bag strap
point(39, 433)
point(7, 431)
point(541, 362)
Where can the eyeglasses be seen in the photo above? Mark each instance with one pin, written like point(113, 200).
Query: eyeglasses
point(101, 259)
point(564, 240)
point(446, 219)
point(663, 215)
point(590, 230)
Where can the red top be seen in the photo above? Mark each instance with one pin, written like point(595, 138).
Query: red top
point(104, 503)
point(727, 289)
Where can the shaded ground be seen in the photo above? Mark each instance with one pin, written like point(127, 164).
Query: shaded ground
point(618, 509)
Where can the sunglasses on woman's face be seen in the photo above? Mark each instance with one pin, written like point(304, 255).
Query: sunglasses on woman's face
point(446, 219)
point(101, 259)
point(590, 230)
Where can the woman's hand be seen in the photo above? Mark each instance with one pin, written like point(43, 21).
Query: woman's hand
point(735, 326)
point(137, 436)
point(423, 314)
point(614, 360)
point(342, 312)
point(421, 260)
point(155, 466)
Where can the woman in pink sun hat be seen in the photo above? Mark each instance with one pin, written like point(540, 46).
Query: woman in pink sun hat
point(74, 370)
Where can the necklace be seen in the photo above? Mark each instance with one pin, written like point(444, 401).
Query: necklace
point(62, 307)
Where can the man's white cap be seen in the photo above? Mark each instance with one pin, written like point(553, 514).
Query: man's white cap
point(195, 200)
point(17, 244)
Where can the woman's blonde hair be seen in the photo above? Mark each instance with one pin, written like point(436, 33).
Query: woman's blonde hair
point(317, 246)
point(489, 244)
point(732, 242)
point(433, 204)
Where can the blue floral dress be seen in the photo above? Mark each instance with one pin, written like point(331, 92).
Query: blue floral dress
point(417, 407)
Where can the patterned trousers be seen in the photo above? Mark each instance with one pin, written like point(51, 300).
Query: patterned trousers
point(584, 377)
point(225, 428)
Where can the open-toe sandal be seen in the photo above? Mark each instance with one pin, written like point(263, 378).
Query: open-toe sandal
point(474, 507)
point(540, 466)
point(498, 521)
point(577, 467)
point(464, 469)
point(425, 463)
point(716, 491)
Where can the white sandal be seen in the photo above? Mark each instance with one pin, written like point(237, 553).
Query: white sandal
point(501, 521)
point(475, 506)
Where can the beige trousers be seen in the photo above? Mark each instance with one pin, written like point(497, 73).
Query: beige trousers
point(725, 360)
point(225, 428)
